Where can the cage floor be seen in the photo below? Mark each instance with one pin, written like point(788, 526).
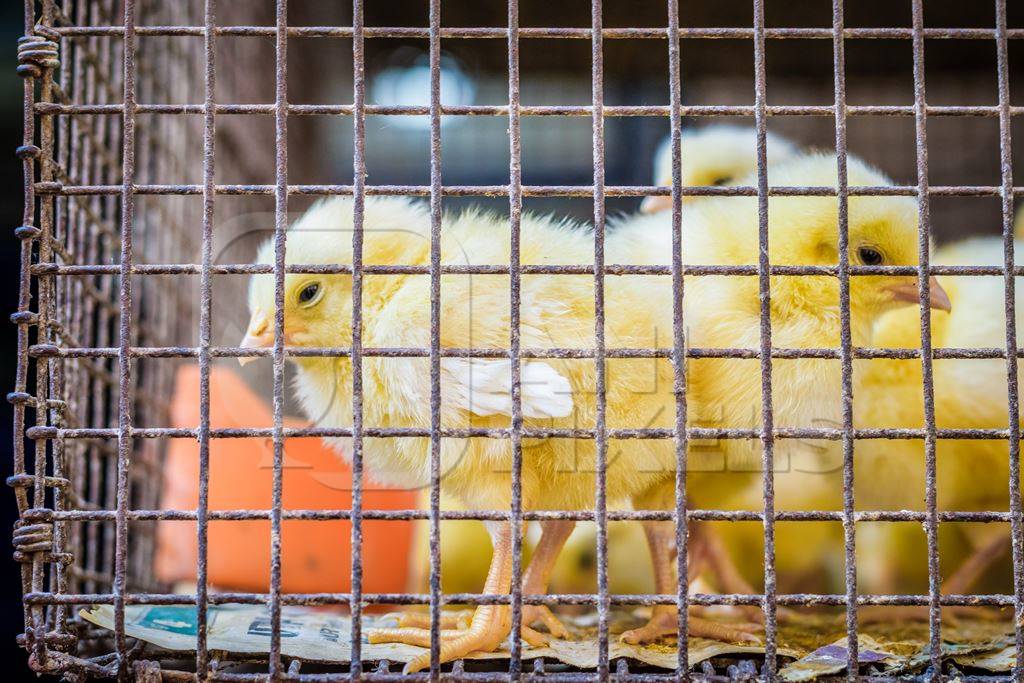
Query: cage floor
point(809, 646)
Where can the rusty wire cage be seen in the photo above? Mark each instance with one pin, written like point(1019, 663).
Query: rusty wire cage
point(126, 127)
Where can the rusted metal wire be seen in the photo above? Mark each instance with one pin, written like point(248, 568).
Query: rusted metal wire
point(49, 188)
point(679, 356)
point(539, 32)
point(931, 523)
point(358, 206)
point(280, 237)
point(1009, 302)
point(436, 596)
point(600, 378)
point(845, 339)
point(206, 304)
point(515, 213)
point(62, 109)
point(90, 253)
point(124, 364)
point(767, 431)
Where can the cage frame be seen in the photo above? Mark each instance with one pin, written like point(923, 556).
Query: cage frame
point(42, 539)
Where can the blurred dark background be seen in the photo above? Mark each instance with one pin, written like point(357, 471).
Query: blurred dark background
point(556, 150)
point(11, 27)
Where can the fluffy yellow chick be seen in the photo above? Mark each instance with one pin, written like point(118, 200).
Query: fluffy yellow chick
point(969, 394)
point(725, 312)
point(557, 312)
point(713, 155)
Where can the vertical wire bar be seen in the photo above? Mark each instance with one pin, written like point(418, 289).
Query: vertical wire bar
point(205, 306)
point(764, 293)
point(600, 438)
point(435, 339)
point(82, 312)
point(679, 342)
point(124, 362)
point(105, 412)
point(515, 207)
point(45, 286)
point(845, 337)
point(61, 312)
point(1010, 302)
point(931, 523)
point(24, 301)
point(89, 137)
point(108, 60)
point(280, 237)
point(358, 206)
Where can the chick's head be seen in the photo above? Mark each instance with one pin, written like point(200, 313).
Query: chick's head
point(318, 306)
point(882, 231)
point(713, 155)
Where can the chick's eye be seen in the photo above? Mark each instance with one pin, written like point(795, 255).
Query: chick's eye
point(720, 180)
point(308, 293)
point(870, 256)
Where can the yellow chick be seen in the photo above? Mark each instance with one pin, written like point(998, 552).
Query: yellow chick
point(724, 312)
point(713, 155)
point(476, 393)
point(969, 394)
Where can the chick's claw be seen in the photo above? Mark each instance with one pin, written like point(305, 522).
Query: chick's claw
point(485, 633)
point(665, 622)
point(457, 620)
point(533, 614)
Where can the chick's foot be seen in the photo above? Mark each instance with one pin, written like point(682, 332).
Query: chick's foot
point(665, 622)
point(487, 630)
point(951, 614)
point(533, 614)
point(453, 620)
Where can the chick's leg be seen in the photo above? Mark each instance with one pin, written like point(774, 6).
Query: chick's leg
point(535, 582)
point(729, 579)
point(664, 619)
point(960, 581)
point(490, 623)
point(553, 536)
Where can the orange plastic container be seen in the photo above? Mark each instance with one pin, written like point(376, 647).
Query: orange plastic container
point(316, 555)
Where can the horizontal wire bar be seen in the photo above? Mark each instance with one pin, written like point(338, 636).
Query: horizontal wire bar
point(695, 514)
point(54, 188)
point(647, 33)
point(59, 109)
point(706, 433)
point(51, 268)
point(867, 353)
point(460, 675)
point(552, 599)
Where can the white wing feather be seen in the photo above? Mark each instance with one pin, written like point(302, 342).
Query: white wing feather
point(484, 387)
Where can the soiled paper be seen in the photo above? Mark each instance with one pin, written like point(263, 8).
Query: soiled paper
point(319, 636)
point(809, 647)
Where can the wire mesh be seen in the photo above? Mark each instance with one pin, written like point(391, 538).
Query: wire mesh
point(88, 465)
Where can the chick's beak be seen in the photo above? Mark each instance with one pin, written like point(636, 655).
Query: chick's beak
point(259, 335)
point(908, 293)
point(656, 204)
